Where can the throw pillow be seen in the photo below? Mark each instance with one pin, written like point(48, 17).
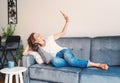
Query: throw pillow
point(36, 56)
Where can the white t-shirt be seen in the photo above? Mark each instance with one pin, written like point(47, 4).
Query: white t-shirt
point(51, 46)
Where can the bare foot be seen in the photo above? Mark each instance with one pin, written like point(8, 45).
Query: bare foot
point(103, 66)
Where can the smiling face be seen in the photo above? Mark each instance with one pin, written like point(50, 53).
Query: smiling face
point(38, 38)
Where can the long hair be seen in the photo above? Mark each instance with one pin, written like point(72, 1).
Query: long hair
point(31, 42)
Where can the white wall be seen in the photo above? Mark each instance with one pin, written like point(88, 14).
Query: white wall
point(87, 17)
point(3, 13)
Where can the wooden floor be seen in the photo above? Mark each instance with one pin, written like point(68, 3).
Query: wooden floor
point(2, 79)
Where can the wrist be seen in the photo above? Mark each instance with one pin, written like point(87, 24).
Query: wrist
point(67, 20)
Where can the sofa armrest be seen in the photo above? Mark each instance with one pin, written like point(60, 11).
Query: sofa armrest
point(27, 61)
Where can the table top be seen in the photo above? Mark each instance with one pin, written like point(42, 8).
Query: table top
point(13, 70)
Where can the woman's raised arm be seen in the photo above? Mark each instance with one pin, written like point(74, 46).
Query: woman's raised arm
point(60, 34)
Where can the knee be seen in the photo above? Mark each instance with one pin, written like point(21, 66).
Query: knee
point(67, 52)
point(71, 61)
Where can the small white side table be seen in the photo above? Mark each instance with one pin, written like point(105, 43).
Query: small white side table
point(17, 71)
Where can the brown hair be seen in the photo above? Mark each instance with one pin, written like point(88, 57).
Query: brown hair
point(31, 42)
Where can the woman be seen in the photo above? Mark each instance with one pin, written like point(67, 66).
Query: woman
point(61, 56)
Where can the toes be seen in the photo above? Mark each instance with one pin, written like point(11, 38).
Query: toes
point(104, 66)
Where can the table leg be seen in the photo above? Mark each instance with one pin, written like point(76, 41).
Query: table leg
point(16, 78)
point(10, 78)
point(21, 78)
point(6, 78)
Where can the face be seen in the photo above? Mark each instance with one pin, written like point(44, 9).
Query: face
point(38, 37)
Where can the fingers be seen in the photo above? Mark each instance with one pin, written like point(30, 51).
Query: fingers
point(63, 13)
point(65, 16)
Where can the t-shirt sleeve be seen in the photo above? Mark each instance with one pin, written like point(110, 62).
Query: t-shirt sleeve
point(51, 37)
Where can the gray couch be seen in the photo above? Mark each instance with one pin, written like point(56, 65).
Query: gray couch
point(104, 49)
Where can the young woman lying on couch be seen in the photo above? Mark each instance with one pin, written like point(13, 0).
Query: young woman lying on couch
point(62, 56)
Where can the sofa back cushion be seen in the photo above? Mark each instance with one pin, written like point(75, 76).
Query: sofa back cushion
point(79, 45)
point(106, 50)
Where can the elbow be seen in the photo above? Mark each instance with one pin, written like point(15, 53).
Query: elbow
point(63, 33)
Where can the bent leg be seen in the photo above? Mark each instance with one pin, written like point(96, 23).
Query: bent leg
point(59, 62)
point(67, 58)
point(74, 61)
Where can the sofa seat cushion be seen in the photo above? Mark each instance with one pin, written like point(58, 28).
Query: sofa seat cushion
point(37, 81)
point(94, 75)
point(53, 74)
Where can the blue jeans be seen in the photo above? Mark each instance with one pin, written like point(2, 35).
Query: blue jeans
point(66, 58)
